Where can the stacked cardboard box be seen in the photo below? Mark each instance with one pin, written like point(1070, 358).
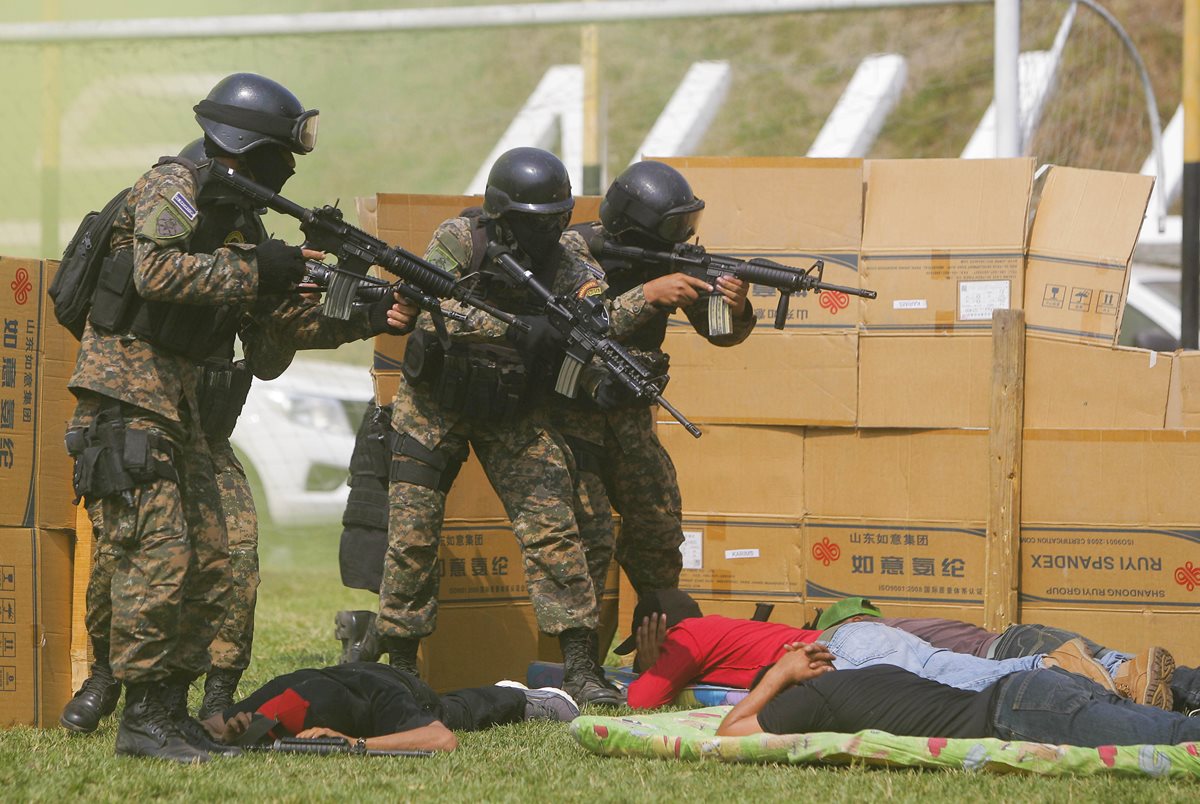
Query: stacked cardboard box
point(37, 518)
point(889, 443)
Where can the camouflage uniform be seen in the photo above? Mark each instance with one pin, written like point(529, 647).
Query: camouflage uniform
point(639, 476)
point(270, 338)
point(160, 580)
point(167, 539)
point(525, 460)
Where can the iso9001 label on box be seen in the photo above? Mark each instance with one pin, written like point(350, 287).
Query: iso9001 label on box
point(978, 299)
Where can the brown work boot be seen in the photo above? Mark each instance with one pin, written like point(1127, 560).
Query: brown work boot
point(1146, 678)
point(1073, 656)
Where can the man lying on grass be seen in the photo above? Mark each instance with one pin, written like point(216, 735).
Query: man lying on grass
point(677, 645)
point(380, 708)
point(803, 693)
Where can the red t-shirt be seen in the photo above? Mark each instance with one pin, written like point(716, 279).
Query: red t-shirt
point(715, 650)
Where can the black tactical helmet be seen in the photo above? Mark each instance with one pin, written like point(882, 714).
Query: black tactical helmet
point(194, 151)
point(244, 111)
point(653, 199)
point(528, 180)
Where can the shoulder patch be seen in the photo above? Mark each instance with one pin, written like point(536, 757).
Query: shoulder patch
point(166, 223)
point(589, 288)
point(453, 247)
point(235, 237)
point(184, 205)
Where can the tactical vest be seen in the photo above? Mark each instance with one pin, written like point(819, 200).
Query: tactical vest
point(491, 382)
point(193, 331)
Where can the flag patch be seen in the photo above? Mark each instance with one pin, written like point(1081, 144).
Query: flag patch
point(185, 206)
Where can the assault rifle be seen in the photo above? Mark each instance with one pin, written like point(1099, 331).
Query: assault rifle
point(327, 230)
point(695, 260)
point(584, 326)
point(324, 746)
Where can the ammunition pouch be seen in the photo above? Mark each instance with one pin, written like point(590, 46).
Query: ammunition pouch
point(224, 386)
point(112, 459)
point(192, 331)
point(479, 381)
point(431, 468)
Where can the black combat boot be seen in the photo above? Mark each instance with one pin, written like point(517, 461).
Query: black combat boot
point(360, 640)
point(583, 679)
point(147, 730)
point(96, 699)
point(220, 685)
point(174, 699)
point(402, 652)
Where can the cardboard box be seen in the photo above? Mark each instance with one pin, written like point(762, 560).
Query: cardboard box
point(1082, 386)
point(1106, 478)
point(1127, 630)
point(37, 356)
point(924, 380)
point(897, 475)
point(738, 470)
point(35, 625)
point(81, 571)
point(409, 221)
point(791, 210)
point(943, 242)
point(1115, 566)
point(1183, 402)
point(484, 609)
point(1082, 241)
point(734, 558)
point(792, 378)
point(909, 562)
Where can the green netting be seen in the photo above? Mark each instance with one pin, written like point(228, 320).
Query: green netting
point(692, 736)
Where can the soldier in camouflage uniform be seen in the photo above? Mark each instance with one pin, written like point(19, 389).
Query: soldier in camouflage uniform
point(651, 206)
point(271, 330)
point(527, 206)
point(170, 294)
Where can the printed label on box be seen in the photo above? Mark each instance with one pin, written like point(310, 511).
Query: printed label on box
point(747, 553)
point(910, 304)
point(909, 562)
point(693, 549)
point(1114, 566)
point(977, 300)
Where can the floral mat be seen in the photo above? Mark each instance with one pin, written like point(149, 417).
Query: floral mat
point(692, 735)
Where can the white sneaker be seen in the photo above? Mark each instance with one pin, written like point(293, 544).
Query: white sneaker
point(508, 682)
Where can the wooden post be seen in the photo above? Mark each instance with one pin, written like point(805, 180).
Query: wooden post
point(1006, 422)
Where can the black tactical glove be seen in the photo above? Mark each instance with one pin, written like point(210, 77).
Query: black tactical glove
point(280, 266)
point(612, 394)
point(542, 341)
point(377, 316)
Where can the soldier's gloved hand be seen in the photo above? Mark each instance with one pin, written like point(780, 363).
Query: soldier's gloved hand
point(280, 266)
point(542, 340)
point(393, 315)
point(611, 394)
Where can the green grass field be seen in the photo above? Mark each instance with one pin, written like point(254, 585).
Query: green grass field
point(524, 762)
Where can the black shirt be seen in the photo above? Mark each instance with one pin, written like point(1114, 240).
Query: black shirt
point(363, 699)
point(882, 697)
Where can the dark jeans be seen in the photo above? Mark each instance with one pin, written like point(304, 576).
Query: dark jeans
point(1054, 706)
point(1029, 639)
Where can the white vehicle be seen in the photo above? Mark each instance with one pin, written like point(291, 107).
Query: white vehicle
point(1151, 318)
point(295, 437)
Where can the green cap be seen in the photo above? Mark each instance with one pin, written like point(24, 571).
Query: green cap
point(844, 609)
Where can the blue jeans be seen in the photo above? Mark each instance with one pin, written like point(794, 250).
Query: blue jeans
point(1054, 706)
point(863, 644)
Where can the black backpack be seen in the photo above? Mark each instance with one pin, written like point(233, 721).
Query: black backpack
point(75, 283)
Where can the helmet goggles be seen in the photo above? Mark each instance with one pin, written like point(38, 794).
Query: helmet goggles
point(299, 134)
point(674, 226)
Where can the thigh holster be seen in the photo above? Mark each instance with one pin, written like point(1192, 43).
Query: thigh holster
point(413, 462)
point(112, 459)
